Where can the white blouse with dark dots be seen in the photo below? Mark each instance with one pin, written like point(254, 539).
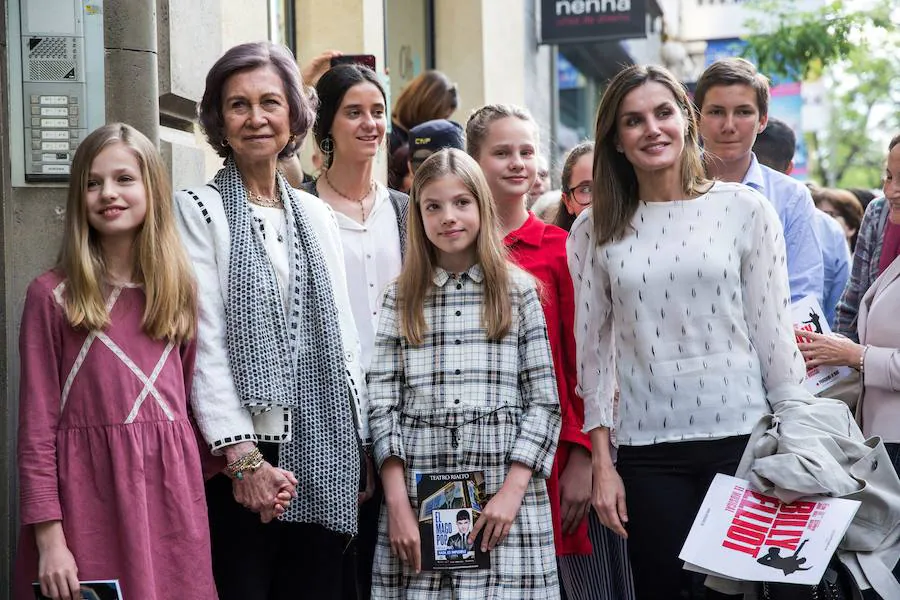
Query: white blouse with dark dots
point(690, 312)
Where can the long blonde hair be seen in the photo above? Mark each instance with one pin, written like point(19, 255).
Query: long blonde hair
point(615, 196)
point(415, 281)
point(160, 262)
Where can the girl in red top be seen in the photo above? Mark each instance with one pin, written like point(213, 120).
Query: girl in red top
point(503, 139)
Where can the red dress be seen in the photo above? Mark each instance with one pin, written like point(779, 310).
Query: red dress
point(106, 446)
point(540, 249)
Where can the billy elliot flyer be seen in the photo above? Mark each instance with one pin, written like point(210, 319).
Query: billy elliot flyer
point(449, 506)
point(809, 316)
point(742, 534)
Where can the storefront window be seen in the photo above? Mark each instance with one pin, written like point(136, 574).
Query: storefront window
point(281, 23)
point(410, 35)
point(577, 103)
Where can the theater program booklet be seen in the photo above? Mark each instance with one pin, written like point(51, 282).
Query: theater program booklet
point(742, 534)
point(91, 590)
point(808, 315)
point(449, 506)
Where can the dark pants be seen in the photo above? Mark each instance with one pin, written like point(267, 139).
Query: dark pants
point(274, 561)
point(361, 554)
point(664, 487)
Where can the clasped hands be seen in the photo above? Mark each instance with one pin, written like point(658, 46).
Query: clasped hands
point(268, 491)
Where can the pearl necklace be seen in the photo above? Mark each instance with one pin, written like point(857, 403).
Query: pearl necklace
point(361, 200)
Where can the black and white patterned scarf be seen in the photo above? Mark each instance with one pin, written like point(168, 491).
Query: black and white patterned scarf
point(292, 358)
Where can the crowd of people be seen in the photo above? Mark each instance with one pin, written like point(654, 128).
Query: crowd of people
point(230, 391)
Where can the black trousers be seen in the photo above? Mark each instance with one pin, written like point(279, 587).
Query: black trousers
point(664, 487)
point(273, 561)
point(361, 554)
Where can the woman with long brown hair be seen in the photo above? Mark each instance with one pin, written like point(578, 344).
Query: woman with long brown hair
point(431, 95)
point(349, 131)
point(683, 304)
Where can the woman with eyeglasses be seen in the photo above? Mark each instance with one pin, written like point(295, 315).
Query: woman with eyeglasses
point(577, 177)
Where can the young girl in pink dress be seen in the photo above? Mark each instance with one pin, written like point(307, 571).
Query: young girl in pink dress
point(109, 468)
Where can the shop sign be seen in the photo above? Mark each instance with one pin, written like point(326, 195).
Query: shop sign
point(566, 21)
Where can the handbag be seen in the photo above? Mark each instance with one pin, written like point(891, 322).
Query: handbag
point(837, 584)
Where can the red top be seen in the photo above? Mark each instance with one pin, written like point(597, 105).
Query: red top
point(540, 249)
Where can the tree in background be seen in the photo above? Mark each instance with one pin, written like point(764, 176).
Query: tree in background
point(856, 52)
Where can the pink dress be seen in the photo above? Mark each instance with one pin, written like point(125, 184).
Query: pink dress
point(106, 445)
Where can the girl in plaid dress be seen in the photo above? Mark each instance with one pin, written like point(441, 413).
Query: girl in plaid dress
point(462, 380)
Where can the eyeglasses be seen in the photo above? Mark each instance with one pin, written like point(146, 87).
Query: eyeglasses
point(581, 193)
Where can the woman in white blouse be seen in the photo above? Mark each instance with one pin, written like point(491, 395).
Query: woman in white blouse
point(683, 302)
point(349, 130)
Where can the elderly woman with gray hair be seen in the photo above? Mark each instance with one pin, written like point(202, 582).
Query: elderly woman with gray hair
point(278, 389)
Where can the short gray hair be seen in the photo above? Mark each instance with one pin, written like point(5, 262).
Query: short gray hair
point(244, 57)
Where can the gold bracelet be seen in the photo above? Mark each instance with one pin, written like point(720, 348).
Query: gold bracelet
point(250, 461)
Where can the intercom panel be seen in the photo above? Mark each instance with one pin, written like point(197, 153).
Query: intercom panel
point(58, 70)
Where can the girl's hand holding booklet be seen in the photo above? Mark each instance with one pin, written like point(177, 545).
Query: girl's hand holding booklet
point(449, 505)
point(90, 590)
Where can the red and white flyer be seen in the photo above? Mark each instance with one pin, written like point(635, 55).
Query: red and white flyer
point(808, 315)
point(742, 534)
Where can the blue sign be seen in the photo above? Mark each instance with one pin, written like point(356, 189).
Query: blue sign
point(567, 75)
point(716, 49)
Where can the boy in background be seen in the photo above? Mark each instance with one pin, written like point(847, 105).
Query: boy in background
point(733, 100)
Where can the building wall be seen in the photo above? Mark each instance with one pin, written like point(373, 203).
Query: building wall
point(540, 80)
point(459, 49)
point(705, 20)
point(155, 69)
point(489, 47)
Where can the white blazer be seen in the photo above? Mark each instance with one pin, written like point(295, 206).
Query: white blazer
point(222, 419)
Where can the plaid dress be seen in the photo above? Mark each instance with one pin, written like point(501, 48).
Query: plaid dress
point(457, 378)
